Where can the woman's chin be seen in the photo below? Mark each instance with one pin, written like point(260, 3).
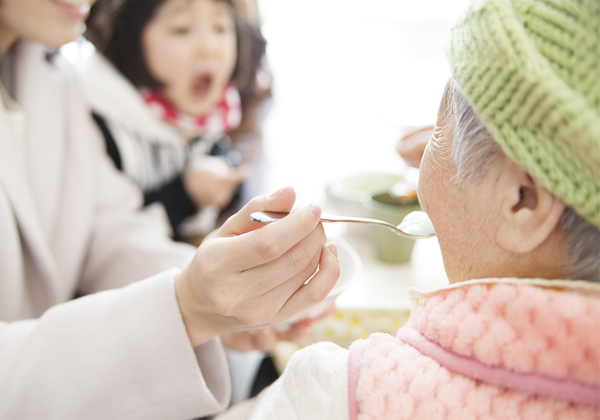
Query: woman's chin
point(60, 41)
point(59, 37)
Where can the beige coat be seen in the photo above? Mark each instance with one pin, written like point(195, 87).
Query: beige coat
point(69, 224)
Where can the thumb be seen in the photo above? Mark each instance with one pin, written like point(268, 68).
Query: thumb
point(281, 200)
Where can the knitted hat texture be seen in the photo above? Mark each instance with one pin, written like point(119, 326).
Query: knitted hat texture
point(531, 71)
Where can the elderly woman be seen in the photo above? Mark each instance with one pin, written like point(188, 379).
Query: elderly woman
point(511, 182)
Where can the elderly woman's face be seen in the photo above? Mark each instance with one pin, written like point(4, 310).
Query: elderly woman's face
point(462, 217)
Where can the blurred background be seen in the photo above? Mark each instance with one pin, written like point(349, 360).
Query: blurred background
point(340, 83)
point(349, 77)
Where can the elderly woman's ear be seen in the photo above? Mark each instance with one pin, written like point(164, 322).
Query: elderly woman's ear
point(529, 213)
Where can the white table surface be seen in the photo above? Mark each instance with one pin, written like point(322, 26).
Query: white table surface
point(384, 286)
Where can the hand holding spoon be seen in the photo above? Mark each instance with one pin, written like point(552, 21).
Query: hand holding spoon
point(415, 225)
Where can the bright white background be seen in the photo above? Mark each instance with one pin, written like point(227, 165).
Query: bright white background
point(349, 75)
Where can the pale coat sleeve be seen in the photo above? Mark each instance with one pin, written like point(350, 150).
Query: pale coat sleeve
point(118, 354)
point(313, 386)
point(127, 244)
point(121, 354)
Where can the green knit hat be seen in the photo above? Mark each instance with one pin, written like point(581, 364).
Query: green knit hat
point(531, 71)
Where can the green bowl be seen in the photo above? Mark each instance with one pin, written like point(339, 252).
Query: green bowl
point(390, 247)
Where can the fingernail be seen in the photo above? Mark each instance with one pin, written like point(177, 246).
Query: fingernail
point(332, 247)
point(276, 193)
point(315, 210)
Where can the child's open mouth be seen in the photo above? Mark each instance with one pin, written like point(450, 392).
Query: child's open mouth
point(202, 84)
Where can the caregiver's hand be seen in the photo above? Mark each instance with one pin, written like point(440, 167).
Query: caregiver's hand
point(265, 339)
point(251, 275)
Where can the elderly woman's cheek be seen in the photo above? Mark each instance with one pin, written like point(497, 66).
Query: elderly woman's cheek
point(429, 179)
point(422, 187)
point(428, 192)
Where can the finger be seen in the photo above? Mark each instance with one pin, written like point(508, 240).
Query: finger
point(316, 290)
point(297, 333)
point(265, 295)
point(272, 241)
point(240, 341)
point(275, 288)
point(265, 340)
point(290, 270)
point(281, 200)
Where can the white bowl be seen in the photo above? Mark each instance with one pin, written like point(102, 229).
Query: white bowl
point(350, 266)
point(344, 194)
point(343, 197)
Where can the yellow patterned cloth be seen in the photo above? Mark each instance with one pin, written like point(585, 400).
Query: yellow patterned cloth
point(342, 328)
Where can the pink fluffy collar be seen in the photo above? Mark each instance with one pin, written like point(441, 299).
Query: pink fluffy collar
point(527, 326)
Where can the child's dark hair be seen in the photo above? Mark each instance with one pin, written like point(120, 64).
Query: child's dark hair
point(115, 28)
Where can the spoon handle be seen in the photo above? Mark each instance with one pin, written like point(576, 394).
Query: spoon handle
point(271, 216)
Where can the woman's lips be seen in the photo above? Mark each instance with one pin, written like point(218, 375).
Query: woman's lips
point(75, 8)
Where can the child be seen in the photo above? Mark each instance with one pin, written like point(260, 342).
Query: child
point(164, 95)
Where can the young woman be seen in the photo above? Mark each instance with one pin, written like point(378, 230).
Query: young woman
point(70, 226)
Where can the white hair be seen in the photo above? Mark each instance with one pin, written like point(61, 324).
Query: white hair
point(475, 150)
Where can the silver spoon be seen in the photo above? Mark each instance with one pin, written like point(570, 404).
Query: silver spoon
point(415, 225)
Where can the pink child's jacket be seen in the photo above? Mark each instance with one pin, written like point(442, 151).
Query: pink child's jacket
point(485, 349)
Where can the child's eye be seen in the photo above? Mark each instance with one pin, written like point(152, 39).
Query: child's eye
point(222, 28)
point(180, 30)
